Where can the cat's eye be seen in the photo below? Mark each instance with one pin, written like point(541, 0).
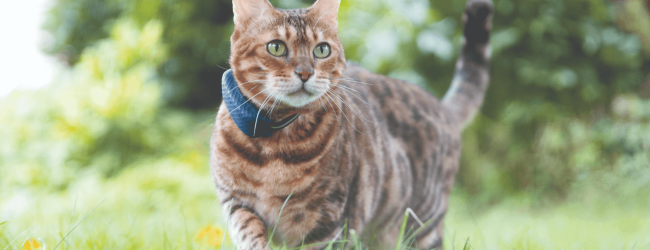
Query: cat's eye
point(322, 50)
point(277, 48)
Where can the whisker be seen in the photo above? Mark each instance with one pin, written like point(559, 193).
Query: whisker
point(250, 90)
point(350, 79)
point(357, 81)
point(327, 29)
point(346, 117)
point(260, 110)
point(321, 16)
point(355, 95)
point(240, 105)
point(260, 81)
point(333, 110)
point(273, 106)
point(353, 111)
point(343, 86)
point(342, 112)
point(320, 100)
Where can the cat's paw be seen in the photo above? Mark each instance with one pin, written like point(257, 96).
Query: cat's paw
point(478, 20)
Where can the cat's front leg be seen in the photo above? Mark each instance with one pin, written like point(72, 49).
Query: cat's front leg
point(247, 230)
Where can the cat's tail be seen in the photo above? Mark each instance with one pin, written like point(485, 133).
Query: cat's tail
point(465, 95)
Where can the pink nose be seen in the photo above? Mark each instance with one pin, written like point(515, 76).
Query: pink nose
point(304, 75)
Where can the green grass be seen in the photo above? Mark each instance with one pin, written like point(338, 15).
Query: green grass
point(165, 206)
point(598, 224)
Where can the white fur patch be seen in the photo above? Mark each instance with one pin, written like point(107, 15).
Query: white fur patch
point(293, 93)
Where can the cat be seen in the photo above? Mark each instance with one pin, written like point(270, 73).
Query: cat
point(338, 146)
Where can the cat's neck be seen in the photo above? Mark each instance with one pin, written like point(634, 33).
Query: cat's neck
point(311, 122)
point(279, 111)
point(304, 140)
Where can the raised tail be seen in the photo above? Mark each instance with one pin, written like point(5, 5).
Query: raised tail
point(465, 95)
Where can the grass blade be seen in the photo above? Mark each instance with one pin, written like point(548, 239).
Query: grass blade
point(402, 230)
point(424, 225)
point(331, 245)
point(223, 242)
point(30, 234)
point(470, 244)
point(277, 221)
point(75, 226)
point(316, 244)
point(355, 240)
point(466, 242)
point(188, 241)
point(12, 242)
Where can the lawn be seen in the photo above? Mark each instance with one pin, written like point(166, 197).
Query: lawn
point(168, 205)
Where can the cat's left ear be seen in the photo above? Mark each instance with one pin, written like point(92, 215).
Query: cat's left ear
point(327, 10)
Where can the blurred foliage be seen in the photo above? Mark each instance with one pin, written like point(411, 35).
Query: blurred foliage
point(104, 118)
point(557, 111)
point(634, 18)
point(563, 78)
point(564, 112)
point(196, 32)
point(103, 115)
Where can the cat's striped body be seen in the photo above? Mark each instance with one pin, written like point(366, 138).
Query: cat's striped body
point(363, 153)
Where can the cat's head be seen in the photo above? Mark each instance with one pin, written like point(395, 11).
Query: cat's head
point(286, 58)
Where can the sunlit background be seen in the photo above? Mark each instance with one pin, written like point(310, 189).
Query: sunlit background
point(24, 65)
point(106, 109)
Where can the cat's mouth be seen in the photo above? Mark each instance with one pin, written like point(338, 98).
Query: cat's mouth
point(299, 98)
point(300, 93)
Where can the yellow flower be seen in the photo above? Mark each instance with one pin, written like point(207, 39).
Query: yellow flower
point(31, 244)
point(210, 235)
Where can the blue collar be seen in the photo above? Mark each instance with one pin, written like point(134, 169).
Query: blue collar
point(245, 114)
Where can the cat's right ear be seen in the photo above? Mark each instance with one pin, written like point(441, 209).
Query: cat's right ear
point(246, 10)
point(327, 10)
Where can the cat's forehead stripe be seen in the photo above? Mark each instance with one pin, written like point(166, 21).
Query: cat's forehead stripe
point(293, 12)
point(298, 22)
point(309, 33)
point(282, 32)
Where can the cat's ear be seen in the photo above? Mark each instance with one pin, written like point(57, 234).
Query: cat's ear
point(327, 10)
point(245, 10)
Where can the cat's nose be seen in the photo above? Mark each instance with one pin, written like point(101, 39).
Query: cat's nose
point(304, 75)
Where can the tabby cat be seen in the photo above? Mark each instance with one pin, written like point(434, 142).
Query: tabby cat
point(350, 149)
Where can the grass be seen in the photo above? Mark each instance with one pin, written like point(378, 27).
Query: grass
point(170, 206)
point(598, 224)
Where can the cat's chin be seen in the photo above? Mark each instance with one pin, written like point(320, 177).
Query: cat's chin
point(300, 98)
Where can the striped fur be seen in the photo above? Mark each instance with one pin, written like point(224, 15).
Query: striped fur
point(363, 151)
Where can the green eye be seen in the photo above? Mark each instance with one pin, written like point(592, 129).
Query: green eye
point(277, 48)
point(322, 50)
